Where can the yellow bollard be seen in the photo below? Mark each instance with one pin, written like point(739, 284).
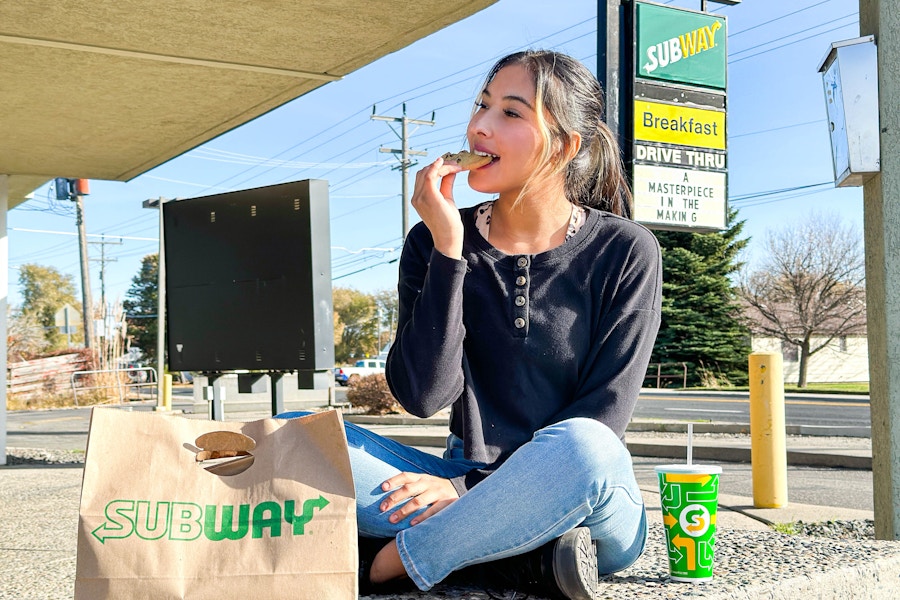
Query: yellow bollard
point(768, 453)
point(165, 402)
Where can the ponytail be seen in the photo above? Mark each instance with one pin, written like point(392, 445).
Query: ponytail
point(605, 184)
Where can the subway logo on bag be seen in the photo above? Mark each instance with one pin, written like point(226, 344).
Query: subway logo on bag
point(187, 521)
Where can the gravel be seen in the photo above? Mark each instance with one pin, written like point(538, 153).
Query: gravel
point(35, 456)
point(843, 530)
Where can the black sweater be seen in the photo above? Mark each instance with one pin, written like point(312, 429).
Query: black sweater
point(519, 342)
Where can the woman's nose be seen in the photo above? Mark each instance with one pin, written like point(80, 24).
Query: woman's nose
point(478, 125)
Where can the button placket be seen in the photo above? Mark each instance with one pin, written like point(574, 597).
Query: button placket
point(520, 295)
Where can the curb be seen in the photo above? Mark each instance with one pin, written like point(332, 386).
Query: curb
point(743, 455)
point(743, 428)
point(674, 451)
point(639, 425)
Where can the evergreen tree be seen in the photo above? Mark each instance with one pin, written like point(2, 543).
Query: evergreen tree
point(141, 304)
point(701, 322)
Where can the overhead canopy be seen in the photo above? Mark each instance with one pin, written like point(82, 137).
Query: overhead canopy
point(109, 89)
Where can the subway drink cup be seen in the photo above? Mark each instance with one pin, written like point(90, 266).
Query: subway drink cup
point(689, 497)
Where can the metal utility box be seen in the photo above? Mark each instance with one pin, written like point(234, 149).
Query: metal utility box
point(248, 278)
point(850, 77)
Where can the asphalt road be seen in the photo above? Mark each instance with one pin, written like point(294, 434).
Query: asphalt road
point(820, 410)
point(67, 428)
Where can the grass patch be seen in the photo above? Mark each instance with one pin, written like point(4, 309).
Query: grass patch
point(86, 398)
point(786, 528)
point(14, 402)
point(812, 388)
point(831, 388)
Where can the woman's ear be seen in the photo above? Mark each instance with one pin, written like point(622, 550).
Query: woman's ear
point(572, 146)
point(564, 150)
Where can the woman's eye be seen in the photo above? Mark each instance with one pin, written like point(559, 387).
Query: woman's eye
point(480, 105)
point(511, 113)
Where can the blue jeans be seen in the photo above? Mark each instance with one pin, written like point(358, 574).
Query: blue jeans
point(573, 473)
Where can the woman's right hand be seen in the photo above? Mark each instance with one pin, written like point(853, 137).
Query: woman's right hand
point(433, 200)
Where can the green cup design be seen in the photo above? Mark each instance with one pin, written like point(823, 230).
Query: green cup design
point(689, 496)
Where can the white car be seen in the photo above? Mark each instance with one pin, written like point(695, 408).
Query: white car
point(362, 368)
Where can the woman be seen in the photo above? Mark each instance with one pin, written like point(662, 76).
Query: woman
point(533, 316)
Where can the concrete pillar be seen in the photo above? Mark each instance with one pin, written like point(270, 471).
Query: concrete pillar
point(881, 201)
point(4, 289)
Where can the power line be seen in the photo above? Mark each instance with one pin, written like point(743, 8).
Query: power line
point(757, 26)
point(809, 37)
point(766, 193)
point(749, 133)
point(94, 235)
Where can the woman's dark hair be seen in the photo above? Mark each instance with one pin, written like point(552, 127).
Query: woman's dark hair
point(569, 99)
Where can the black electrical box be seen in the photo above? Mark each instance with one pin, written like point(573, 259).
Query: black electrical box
point(248, 280)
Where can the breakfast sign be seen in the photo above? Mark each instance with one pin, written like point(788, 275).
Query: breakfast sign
point(679, 118)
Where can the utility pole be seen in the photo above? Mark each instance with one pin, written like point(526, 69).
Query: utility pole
point(161, 303)
point(75, 190)
point(613, 64)
point(86, 301)
point(881, 217)
point(103, 260)
point(405, 153)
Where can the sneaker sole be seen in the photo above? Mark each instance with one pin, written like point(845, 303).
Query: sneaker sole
point(577, 548)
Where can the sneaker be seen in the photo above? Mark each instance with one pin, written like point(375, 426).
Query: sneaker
point(565, 568)
point(574, 564)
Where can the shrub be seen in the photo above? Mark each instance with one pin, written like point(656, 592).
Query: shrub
point(371, 393)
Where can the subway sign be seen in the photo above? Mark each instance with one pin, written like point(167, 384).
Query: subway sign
point(679, 124)
point(679, 153)
point(681, 46)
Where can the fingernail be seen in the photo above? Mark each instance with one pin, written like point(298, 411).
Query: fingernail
point(394, 518)
point(384, 506)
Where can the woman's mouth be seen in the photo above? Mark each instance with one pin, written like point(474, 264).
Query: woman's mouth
point(494, 157)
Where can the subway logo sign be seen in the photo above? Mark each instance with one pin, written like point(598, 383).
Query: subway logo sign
point(680, 46)
point(188, 521)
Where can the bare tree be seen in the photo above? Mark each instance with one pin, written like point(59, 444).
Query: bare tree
point(810, 288)
point(25, 335)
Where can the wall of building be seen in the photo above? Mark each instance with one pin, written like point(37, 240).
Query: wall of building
point(844, 360)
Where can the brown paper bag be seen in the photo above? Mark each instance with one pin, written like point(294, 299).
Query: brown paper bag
point(154, 523)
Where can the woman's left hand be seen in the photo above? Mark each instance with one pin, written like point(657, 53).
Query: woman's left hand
point(422, 491)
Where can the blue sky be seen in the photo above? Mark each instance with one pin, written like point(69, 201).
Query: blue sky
point(778, 139)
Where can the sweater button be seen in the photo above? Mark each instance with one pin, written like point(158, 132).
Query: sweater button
point(520, 300)
point(522, 262)
point(520, 280)
point(519, 323)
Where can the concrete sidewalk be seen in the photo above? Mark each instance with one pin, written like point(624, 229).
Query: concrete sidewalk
point(39, 513)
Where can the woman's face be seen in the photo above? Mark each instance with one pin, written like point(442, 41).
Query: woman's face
point(505, 125)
